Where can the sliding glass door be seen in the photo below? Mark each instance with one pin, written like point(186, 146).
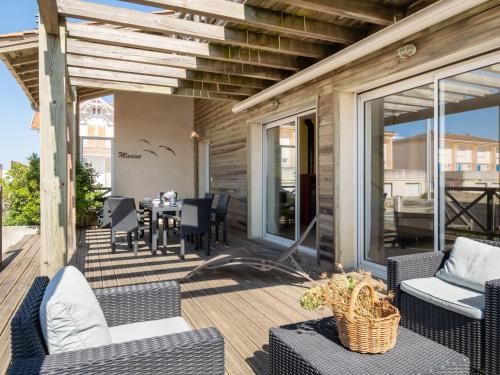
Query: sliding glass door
point(281, 179)
point(290, 178)
point(469, 144)
point(399, 197)
point(430, 163)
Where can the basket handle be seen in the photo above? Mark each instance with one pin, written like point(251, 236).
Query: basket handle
point(355, 294)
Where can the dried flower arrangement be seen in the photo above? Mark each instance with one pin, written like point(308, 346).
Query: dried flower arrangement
point(365, 323)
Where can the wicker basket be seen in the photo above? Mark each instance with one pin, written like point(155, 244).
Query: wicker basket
point(365, 335)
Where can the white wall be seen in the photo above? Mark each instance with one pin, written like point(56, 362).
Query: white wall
point(162, 120)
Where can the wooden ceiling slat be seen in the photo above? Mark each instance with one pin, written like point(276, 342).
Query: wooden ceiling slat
point(360, 10)
point(164, 44)
point(165, 24)
point(174, 60)
point(158, 81)
point(161, 71)
point(285, 24)
point(120, 86)
point(122, 77)
point(152, 89)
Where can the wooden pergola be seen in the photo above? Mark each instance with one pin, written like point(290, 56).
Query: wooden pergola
point(210, 49)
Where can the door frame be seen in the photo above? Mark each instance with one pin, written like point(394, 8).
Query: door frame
point(294, 118)
point(427, 78)
point(203, 166)
point(112, 140)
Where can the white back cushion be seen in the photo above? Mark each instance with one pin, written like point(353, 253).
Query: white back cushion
point(471, 264)
point(70, 315)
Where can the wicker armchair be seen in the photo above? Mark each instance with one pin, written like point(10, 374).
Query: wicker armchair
point(478, 339)
point(193, 352)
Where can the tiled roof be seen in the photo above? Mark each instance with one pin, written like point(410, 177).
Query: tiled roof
point(35, 121)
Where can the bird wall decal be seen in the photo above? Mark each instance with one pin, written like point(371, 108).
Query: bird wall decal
point(168, 149)
point(145, 141)
point(151, 152)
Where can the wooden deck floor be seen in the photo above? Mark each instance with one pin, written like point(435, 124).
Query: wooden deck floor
point(242, 303)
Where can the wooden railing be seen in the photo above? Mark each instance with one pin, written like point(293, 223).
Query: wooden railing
point(467, 213)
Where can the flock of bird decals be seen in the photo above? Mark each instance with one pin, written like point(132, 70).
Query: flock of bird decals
point(160, 146)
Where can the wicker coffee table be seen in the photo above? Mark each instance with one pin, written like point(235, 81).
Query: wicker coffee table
point(313, 348)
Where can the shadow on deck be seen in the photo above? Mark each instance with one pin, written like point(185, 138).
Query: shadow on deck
point(242, 303)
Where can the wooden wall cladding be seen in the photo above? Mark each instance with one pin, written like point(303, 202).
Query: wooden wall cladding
point(227, 132)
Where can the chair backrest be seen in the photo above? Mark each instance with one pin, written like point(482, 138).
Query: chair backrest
point(105, 219)
point(123, 214)
point(211, 196)
point(223, 203)
point(196, 215)
point(26, 336)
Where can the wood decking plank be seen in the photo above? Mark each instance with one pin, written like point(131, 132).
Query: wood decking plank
point(242, 303)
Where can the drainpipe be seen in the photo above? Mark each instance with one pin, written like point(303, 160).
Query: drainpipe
point(421, 20)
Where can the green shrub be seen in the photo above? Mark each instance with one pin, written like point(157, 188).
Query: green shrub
point(22, 192)
point(87, 197)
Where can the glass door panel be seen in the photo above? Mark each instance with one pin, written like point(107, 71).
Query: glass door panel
point(281, 180)
point(307, 179)
point(469, 155)
point(97, 152)
point(399, 174)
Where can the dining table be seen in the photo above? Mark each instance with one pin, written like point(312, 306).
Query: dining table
point(155, 211)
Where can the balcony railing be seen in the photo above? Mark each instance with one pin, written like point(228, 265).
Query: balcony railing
point(478, 214)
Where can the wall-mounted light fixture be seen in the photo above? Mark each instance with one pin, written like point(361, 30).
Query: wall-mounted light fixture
point(273, 105)
point(194, 135)
point(407, 51)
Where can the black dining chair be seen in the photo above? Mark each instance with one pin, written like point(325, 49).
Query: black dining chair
point(124, 218)
point(194, 221)
point(211, 196)
point(219, 216)
point(104, 215)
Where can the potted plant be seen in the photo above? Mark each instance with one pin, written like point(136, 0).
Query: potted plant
point(365, 323)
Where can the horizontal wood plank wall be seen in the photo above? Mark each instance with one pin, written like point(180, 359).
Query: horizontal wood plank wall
point(227, 132)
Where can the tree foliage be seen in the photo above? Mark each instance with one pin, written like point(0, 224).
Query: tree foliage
point(87, 197)
point(22, 192)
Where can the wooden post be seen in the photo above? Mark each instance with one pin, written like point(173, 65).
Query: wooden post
point(53, 154)
point(72, 140)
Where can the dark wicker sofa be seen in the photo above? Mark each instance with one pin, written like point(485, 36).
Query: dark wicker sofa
point(193, 352)
point(478, 339)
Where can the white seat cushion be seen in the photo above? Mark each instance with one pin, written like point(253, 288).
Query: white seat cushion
point(471, 264)
point(446, 295)
point(70, 315)
point(152, 328)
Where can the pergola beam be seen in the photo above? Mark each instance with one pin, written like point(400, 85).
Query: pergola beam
point(122, 77)
point(192, 48)
point(49, 16)
point(283, 23)
point(120, 86)
point(161, 71)
point(151, 89)
point(174, 60)
point(106, 75)
point(360, 10)
point(178, 26)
